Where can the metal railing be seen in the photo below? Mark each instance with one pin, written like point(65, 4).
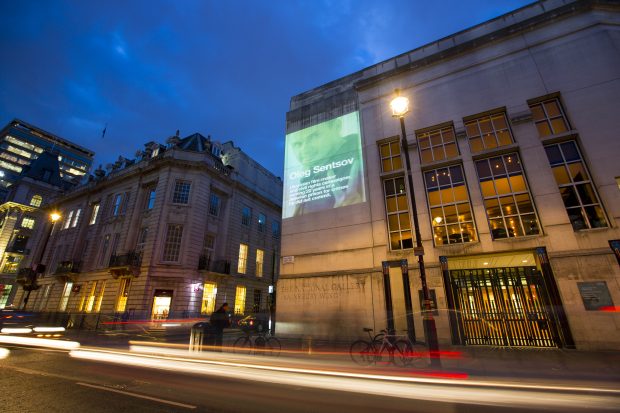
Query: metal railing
point(129, 259)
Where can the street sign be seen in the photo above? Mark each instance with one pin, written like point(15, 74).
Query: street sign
point(418, 251)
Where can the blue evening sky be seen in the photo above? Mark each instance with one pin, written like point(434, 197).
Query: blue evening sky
point(224, 68)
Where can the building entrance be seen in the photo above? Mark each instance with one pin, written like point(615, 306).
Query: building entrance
point(161, 304)
point(503, 307)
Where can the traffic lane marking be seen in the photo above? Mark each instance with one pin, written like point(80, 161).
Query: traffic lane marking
point(140, 396)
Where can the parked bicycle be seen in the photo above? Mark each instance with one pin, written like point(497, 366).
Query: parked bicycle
point(387, 347)
point(255, 340)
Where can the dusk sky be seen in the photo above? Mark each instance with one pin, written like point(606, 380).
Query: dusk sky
point(222, 68)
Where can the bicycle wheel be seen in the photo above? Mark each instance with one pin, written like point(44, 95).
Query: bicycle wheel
point(273, 347)
point(384, 353)
point(361, 353)
point(419, 356)
point(243, 345)
point(402, 353)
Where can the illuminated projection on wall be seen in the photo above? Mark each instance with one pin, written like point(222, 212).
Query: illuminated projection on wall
point(323, 167)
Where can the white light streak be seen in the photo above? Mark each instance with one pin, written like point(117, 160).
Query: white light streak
point(9, 330)
point(40, 342)
point(48, 329)
point(4, 353)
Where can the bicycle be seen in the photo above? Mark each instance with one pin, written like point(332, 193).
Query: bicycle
point(383, 345)
point(258, 343)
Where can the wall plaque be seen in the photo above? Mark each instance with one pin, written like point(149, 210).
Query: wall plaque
point(595, 295)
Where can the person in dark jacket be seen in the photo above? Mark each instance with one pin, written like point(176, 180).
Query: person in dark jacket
point(220, 321)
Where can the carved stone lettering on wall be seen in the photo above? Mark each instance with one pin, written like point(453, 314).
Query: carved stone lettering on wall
point(320, 290)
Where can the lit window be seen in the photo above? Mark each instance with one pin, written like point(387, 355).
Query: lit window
point(488, 132)
point(507, 199)
point(64, 298)
point(275, 229)
point(437, 145)
point(11, 264)
point(36, 201)
point(68, 220)
point(390, 156)
point(549, 117)
point(240, 299)
point(118, 200)
point(260, 254)
point(172, 246)
point(76, 217)
point(28, 222)
point(451, 215)
point(214, 205)
point(123, 293)
point(181, 192)
point(397, 211)
point(243, 258)
point(150, 200)
point(10, 166)
point(209, 293)
point(580, 198)
point(93, 215)
point(262, 219)
point(100, 296)
point(246, 216)
point(88, 299)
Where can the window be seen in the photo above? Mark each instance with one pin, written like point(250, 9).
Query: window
point(172, 247)
point(115, 242)
point(258, 298)
point(580, 198)
point(36, 201)
point(240, 300)
point(123, 293)
point(246, 216)
point(44, 297)
point(5, 292)
point(209, 244)
point(275, 229)
point(451, 214)
point(262, 219)
point(118, 201)
point(181, 192)
point(397, 211)
point(68, 220)
point(144, 232)
point(260, 254)
point(19, 244)
point(11, 264)
point(488, 132)
point(90, 298)
point(93, 215)
point(64, 298)
point(214, 205)
point(104, 249)
point(507, 200)
point(150, 198)
point(437, 145)
point(209, 292)
point(390, 156)
point(243, 258)
point(549, 117)
point(100, 296)
point(28, 222)
point(76, 217)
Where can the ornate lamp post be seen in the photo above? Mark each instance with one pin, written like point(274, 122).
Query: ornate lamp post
point(400, 107)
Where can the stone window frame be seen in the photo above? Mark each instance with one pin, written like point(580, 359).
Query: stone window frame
point(246, 215)
point(259, 270)
point(214, 204)
point(490, 138)
point(397, 214)
point(241, 292)
point(242, 261)
point(548, 120)
point(503, 207)
point(433, 181)
point(390, 155)
point(575, 189)
point(436, 141)
point(181, 191)
point(28, 222)
point(172, 243)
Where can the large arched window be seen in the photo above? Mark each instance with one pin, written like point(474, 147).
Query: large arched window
point(36, 201)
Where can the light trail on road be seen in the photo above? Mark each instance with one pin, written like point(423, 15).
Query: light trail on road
point(436, 390)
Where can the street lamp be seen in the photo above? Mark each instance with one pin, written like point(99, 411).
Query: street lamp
point(30, 283)
point(400, 107)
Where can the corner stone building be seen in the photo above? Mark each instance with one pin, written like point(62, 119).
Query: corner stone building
point(515, 159)
point(174, 233)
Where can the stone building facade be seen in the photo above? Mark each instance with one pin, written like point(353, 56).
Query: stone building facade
point(513, 143)
point(176, 232)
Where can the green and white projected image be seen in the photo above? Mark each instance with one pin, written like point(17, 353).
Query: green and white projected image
point(323, 167)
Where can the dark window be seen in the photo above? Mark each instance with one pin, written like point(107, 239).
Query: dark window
point(246, 216)
point(214, 205)
point(181, 192)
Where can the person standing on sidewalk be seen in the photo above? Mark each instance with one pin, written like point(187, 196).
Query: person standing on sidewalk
point(219, 321)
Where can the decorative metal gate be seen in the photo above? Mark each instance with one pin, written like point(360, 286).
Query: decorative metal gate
point(503, 307)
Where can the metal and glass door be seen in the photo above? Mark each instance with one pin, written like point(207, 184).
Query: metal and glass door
point(503, 307)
